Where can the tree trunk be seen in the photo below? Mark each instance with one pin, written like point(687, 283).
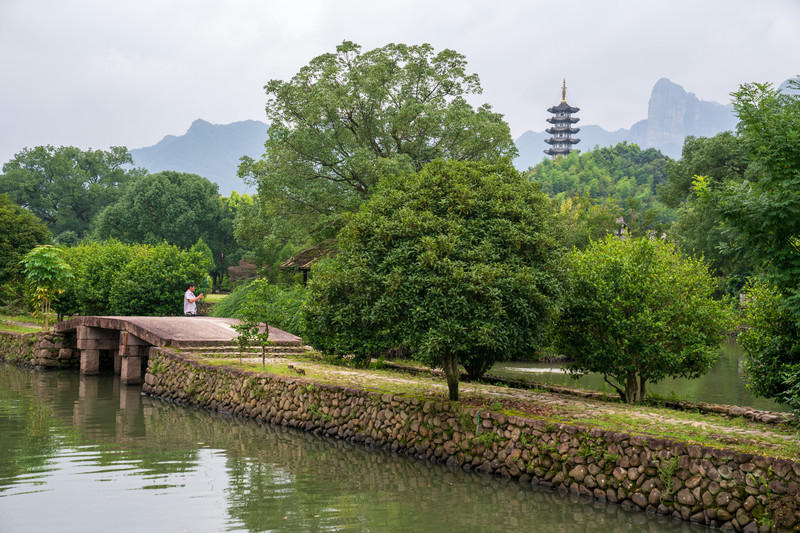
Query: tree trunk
point(450, 361)
point(632, 388)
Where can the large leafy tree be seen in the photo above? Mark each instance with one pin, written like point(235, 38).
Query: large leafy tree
point(460, 262)
point(761, 215)
point(637, 311)
point(20, 232)
point(66, 187)
point(175, 207)
point(350, 117)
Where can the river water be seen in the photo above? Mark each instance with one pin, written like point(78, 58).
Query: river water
point(85, 454)
point(723, 384)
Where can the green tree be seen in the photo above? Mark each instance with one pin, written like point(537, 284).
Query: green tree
point(699, 230)
point(460, 262)
point(722, 158)
point(623, 174)
point(349, 117)
point(20, 232)
point(585, 220)
point(46, 273)
point(761, 215)
point(637, 311)
point(67, 187)
point(770, 344)
point(175, 207)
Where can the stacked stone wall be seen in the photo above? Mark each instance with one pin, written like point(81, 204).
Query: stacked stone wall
point(714, 486)
point(39, 350)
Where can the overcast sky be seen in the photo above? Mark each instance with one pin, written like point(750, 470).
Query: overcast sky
point(102, 73)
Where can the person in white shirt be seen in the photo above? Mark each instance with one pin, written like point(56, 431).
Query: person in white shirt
point(190, 301)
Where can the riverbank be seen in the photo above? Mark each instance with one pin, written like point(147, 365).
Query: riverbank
point(736, 474)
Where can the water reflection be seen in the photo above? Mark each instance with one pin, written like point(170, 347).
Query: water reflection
point(723, 384)
point(86, 454)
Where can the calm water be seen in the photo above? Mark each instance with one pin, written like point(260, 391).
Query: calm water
point(723, 384)
point(85, 454)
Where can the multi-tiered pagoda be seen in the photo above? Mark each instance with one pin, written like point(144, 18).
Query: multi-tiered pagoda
point(561, 130)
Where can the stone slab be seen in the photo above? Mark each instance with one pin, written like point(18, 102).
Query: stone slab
point(180, 332)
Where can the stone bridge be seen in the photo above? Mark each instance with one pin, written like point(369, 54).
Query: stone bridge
point(128, 339)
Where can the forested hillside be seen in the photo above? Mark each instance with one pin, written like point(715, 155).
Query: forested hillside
point(624, 174)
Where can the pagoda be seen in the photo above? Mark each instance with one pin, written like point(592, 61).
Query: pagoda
point(561, 130)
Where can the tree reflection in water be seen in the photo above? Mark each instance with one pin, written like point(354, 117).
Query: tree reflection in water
point(214, 472)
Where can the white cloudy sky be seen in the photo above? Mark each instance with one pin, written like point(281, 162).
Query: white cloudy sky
point(97, 73)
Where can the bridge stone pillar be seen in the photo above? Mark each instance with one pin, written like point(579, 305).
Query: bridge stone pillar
point(132, 351)
point(90, 342)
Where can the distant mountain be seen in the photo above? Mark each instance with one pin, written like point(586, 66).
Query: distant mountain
point(672, 115)
point(209, 150)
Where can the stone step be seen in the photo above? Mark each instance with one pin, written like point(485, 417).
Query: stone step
point(250, 349)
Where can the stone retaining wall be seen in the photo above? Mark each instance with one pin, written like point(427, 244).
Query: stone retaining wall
point(714, 486)
point(40, 350)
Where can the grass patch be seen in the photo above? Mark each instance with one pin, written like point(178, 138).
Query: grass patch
point(13, 328)
point(20, 323)
point(214, 297)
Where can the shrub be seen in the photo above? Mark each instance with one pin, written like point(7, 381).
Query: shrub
point(112, 278)
point(638, 311)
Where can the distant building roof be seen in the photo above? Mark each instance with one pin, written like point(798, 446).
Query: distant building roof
point(563, 107)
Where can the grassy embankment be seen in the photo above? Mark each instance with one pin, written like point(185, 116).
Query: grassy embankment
point(696, 428)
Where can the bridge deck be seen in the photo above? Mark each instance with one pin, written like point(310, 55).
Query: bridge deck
point(180, 332)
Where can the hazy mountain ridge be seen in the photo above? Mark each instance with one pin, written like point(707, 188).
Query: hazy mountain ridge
point(209, 150)
point(672, 115)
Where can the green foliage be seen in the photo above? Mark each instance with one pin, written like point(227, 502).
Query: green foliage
point(349, 117)
point(761, 217)
point(175, 207)
point(586, 220)
point(721, 160)
point(112, 278)
point(666, 471)
point(203, 249)
point(771, 345)
point(459, 261)
point(624, 174)
point(231, 305)
point(639, 311)
point(154, 280)
point(261, 301)
point(762, 213)
point(20, 232)
point(46, 274)
point(66, 187)
point(96, 267)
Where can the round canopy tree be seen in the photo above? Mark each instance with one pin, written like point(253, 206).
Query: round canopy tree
point(460, 262)
point(637, 311)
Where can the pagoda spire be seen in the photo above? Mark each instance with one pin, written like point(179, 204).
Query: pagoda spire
point(562, 130)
